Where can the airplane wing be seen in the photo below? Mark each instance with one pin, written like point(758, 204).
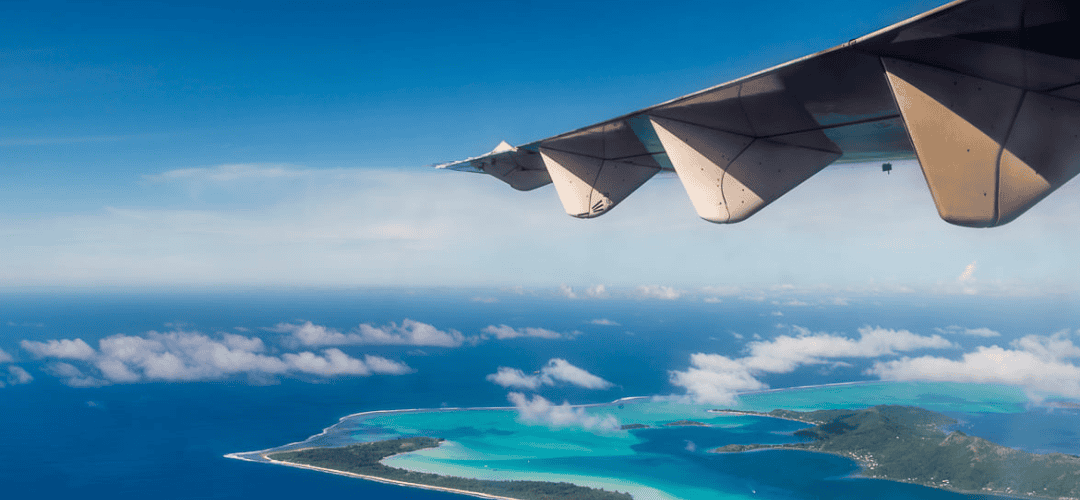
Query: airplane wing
point(984, 93)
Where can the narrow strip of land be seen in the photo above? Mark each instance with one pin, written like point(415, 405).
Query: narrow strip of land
point(364, 461)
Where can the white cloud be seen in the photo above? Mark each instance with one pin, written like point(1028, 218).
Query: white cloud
point(72, 376)
point(541, 411)
point(556, 370)
point(62, 349)
point(191, 356)
point(278, 225)
point(17, 375)
point(974, 332)
point(566, 291)
point(515, 378)
point(1042, 365)
point(785, 353)
point(776, 313)
point(659, 292)
point(562, 370)
point(712, 300)
point(333, 362)
point(603, 322)
point(485, 300)
point(969, 270)
point(503, 332)
point(714, 378)
point(796, 303)
point(597, 292)
point(5, 357)
point(381, 365)
point(408, 333)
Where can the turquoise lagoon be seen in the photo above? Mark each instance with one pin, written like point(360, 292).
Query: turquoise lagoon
point(666, 462)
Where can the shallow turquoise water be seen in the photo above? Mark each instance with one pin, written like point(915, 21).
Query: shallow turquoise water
point(668, 462)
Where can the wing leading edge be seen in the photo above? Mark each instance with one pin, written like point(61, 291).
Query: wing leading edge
point(984, 93)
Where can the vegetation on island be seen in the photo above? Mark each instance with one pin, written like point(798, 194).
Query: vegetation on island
point(365, 459)
point(679, 423)
point(630, 427)
point(909, 444)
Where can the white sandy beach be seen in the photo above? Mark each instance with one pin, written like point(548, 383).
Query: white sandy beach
point(237, 456)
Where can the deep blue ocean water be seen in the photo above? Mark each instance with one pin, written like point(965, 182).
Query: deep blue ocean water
point(166, 440)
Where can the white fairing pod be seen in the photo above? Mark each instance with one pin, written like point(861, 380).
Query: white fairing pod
point(728, 176)
point(587, 186)
point(989, 151)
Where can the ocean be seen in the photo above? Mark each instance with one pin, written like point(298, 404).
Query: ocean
point(167, 439)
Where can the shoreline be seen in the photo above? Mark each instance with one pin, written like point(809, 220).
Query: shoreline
point(237, 456)
point(863, 465)
point(589, 405)
point(261, 455)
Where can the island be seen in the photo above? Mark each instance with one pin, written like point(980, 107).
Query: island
point(365, 460)
point(912, 445)
point(681, 423)
point(630, 427)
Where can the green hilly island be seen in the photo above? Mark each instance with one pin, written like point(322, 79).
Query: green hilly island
point(910, 444)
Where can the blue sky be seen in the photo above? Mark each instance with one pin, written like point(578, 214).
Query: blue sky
point(269, 144)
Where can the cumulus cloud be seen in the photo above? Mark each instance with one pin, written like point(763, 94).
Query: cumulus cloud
point(17, 375)
point(561, 370)
point(72, 376)
point(603, 322)
point(409, 332)
point(974, 332)
point(566, 291)
point(191, 356)
point(714, 378)
point(515, 378)
point(333, 362)
point(597, 291)
point(541, 411)
point(785, 353)
point(62, 349)
point(659, 292)
point(503, 332)
point(594, 292)
point(1042, 365)
point(5, 357)
point(555, 371)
